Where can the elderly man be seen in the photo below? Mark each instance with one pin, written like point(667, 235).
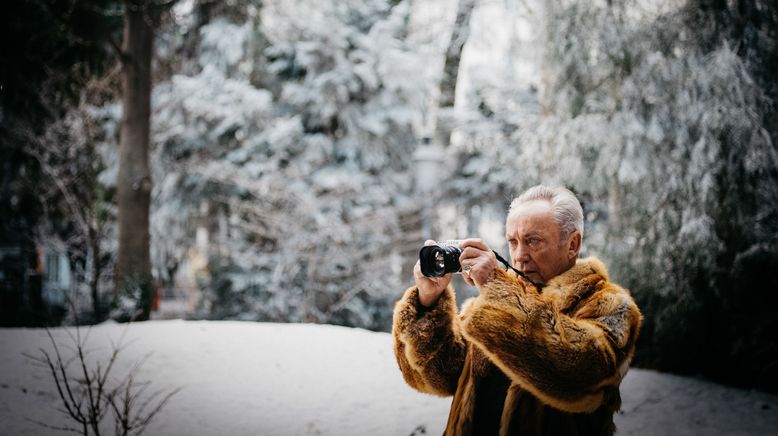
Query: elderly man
point(543, 356)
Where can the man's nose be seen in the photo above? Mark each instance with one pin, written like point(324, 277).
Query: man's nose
point(520, 256)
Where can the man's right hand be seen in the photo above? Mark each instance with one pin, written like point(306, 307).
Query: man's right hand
point(429, 288)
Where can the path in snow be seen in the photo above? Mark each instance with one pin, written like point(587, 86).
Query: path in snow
point(242, 378)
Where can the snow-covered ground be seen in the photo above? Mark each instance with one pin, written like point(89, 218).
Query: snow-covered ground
point(242, 378)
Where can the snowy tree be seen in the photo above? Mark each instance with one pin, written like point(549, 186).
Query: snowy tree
point(299, 182)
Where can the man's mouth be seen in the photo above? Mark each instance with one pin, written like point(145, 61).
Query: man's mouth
point(533, 274)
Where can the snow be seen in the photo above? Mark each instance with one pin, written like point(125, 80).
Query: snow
point(245, 378)
point(238, 378)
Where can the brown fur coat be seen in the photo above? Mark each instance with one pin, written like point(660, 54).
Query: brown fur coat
point(519, 361)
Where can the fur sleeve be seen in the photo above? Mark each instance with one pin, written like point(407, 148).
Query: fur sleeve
point(565, 361)
point(428, 344)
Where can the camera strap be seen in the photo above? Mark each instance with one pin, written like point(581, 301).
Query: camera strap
point(521, 274)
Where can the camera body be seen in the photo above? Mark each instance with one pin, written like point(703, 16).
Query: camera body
point(440, 259)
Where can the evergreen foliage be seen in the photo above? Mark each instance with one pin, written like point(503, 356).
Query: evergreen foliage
point(295, 157)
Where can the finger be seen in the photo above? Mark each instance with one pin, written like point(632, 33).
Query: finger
point(483, 274)
point(465, 262)
point(466, 277)
point(475, 243)
point(420, 276)
point(439, 280)
point(471, 253)
point(429, 242)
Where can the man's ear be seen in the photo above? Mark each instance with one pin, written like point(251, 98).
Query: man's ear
point(574, 245)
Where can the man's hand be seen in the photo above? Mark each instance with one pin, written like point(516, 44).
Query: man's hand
point(429, 288)
point(478, 262)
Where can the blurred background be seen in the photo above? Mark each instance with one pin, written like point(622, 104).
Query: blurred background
point(284, 160)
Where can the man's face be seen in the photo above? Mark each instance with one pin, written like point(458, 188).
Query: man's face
point(535, 242)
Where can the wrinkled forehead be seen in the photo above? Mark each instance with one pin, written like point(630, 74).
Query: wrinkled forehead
point(531, 217)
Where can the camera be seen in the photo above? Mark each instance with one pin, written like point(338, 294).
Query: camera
point(440, 259)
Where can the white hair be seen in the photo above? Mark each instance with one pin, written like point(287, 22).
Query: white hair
point(565, 207)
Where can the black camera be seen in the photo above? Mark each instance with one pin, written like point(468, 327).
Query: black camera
point(440, 259)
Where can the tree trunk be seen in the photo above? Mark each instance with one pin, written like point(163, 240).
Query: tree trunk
point(459, 35)
point(448, 83)
point(133, 264)
point(94, 279)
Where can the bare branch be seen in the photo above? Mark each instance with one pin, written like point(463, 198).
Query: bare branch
point(72, 204)
point(88, 399)
point(145, 422)
point(53, 427)
point(117, 49)
point(78, 414)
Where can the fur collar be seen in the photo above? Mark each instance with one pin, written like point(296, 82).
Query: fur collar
point(581, 269)
point(571, 287)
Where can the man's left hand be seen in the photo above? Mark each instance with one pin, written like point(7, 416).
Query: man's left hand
point(478, 262)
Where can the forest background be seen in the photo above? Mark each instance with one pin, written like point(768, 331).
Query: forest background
point(300, 151)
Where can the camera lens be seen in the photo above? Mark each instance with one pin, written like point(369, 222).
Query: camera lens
point(440, 259)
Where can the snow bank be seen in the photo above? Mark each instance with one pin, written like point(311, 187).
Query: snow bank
point(243, 378)
point(237, 378)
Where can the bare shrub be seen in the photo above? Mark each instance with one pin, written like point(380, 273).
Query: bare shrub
point(89, 388)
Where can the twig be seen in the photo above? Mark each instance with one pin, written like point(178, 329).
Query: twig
point(89, 405)
point(53, 427)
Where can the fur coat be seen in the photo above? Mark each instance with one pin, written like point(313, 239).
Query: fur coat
point(520, 361)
